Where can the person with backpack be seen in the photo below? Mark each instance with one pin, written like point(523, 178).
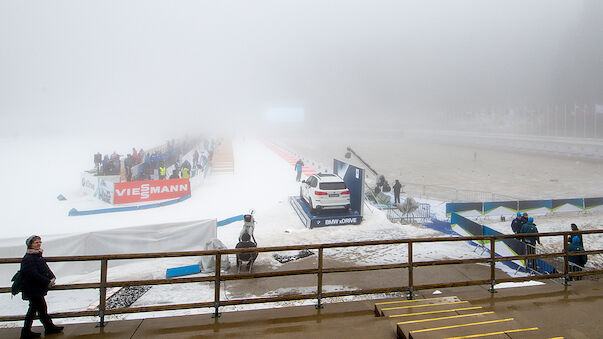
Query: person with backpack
point(578, 261)
point(36, 280)
point(527, 228)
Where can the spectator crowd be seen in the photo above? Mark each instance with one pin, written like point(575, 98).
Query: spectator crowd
point(140, 165)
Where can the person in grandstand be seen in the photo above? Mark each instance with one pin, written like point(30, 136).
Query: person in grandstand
point(36, 279)
point(195, 159)
point(162, 171)
point(517, 223)
point(174, 174)
point(185, 173)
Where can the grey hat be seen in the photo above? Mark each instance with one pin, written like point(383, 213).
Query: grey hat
point(30, 240)
point(525, 214)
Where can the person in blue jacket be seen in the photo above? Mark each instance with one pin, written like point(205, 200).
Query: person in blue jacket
point(517, 223)
point(578, 261)
point(298, 168)
point(36, 279)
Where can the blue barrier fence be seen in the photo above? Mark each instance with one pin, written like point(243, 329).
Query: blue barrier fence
point(511, 207)
point(466, 227)
point(230, 220)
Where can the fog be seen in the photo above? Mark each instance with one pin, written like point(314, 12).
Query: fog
point(170, 67)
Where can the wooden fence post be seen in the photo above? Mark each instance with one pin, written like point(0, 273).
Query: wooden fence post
point(217, 287)
point(492, 264)
point(565, 260)
point(102, 304)
point(319, 285)
point(410, 273)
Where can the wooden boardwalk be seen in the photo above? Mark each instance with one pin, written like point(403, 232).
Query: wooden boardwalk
point(544, 311)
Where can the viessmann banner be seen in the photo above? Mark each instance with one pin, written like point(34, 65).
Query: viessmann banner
point(141, 191)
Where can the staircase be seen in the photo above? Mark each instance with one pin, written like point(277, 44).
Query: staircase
point(448, 317)
point(223, 158)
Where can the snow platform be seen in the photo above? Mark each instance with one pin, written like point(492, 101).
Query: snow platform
point(325, 218)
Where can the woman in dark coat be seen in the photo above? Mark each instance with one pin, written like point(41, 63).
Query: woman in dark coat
point(36, 279)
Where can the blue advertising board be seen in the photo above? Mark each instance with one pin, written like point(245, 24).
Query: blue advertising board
point(354, 179)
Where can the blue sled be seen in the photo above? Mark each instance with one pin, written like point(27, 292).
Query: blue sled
point(184, 270)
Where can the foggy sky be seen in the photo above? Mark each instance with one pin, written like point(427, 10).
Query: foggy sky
point(159, 65)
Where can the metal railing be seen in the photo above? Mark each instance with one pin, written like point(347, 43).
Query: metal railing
point(319, 271)
point(445, 193)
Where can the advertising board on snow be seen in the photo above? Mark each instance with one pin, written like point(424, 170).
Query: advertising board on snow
point(141, 191)
point(90, 184)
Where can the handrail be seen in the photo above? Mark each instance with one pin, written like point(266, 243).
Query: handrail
point(320, 270)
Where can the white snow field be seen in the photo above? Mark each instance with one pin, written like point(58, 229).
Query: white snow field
point(262, 181)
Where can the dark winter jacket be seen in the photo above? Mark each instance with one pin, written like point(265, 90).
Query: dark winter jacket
point(529, 227)
point(35, 276)
point(579, 260)
point(246, 244)
point(516, 225)
point(397, 187)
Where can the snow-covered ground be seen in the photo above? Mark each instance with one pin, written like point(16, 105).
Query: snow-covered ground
point(262, 181)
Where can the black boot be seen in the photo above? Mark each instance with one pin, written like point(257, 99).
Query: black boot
point(53, 329)
point(26, 333)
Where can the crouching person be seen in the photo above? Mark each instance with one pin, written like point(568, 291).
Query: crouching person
point(36, 279)
point(248, 257)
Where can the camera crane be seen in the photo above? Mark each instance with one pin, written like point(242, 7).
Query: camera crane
point(381, 182)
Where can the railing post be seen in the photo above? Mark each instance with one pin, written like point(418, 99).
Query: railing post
point(102, 305)
point(410, 273)
point(565, 261)
point(319, 285)
point(492, 264)
point(217, 287)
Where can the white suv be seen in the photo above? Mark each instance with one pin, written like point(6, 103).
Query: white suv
point(325, 191)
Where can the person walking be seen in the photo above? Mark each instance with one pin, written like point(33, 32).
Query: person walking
point(298, 168)
point(528, 228)
point(36, 279)
point(517, 223)
point(397, 187)
point(578, 261)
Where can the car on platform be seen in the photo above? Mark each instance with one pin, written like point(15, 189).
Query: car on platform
point(324, 191)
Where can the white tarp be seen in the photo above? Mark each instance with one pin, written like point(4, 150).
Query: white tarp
point(169, 237)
